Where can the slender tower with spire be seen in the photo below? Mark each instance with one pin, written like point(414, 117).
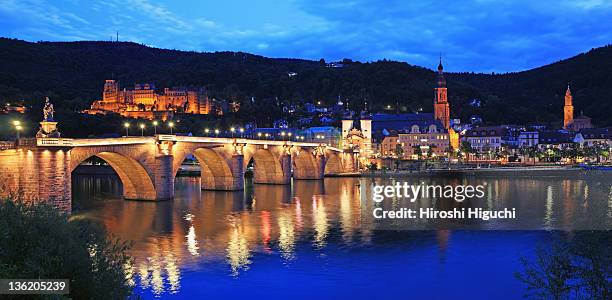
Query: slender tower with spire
point(441, 108)
point(568, 109)
point(366, 130)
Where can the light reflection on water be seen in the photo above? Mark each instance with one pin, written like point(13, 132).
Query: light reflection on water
point(232, 234)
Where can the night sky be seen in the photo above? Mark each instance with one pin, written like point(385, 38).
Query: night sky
point(478, 35)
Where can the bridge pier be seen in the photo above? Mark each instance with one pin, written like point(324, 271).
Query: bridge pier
point(237, 169)
point(164, 181)
point(285, 161)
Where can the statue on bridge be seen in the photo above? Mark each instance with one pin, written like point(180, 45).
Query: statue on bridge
point(48, 111)
point(48, 126)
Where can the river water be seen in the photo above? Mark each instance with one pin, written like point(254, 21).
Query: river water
point(306, 240)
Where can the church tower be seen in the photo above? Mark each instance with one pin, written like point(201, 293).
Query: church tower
point(441, 108)
point(366, 130)
point(568, 109)
point(347, 125)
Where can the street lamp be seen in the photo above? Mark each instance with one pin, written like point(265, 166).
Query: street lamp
point(155, 127)
point(171, 125)
point(233, 130)
point(241, 132)
point(142, 127)
point(127, 126)
point(18, 128)
point(217, 132)
point(259, 135)
point(206, 131)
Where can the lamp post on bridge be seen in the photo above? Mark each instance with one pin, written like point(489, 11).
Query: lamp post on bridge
point(127, 126)
point(232, 130)
point(18, 128)
point(241, 132)
point(142, 127)
point(217, 132)
point(155, 127)
point(171, 125)
point(206, 131)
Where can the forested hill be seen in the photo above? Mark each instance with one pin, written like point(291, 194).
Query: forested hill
point(73, 73)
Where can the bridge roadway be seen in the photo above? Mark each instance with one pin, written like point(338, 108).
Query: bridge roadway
point(41, 168)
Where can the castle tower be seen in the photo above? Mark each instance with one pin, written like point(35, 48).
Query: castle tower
point(441, 108)
point(204, 102)
point(111, 91)
point(568, 109)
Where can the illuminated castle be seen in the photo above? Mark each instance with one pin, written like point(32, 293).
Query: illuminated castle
point(144, 102)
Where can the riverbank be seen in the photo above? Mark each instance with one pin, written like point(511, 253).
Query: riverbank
point(530, 171)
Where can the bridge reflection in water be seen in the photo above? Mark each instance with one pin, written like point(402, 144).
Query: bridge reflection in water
point(276, 228)
point(201, 227)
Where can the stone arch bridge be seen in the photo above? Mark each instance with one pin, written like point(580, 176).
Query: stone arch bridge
point(147, 166)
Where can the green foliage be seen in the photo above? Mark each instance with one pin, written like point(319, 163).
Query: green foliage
point(399, 151)
point(38, 241)
point(466, 147)
point(577, 268)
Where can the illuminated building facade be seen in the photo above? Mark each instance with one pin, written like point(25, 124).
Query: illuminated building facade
point(422, 139)
point(568, 109)
point(569, 122)
point(357, 133)
point(144, 102)
point(424, 133)
point(441, 107)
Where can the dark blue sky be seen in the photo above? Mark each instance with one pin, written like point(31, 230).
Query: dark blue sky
point(476, 35)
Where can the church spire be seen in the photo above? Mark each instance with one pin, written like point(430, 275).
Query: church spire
point(568, 109)
point(441, 81)
point(441, 107)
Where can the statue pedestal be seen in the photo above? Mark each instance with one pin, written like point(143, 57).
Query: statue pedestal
point(48, 130)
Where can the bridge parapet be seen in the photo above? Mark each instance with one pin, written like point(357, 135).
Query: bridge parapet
point(61, 142)
point(6, 145)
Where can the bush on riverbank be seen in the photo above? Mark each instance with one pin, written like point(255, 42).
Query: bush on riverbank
point(39, 241)
point(579, 267)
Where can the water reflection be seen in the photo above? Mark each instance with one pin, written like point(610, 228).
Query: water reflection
point(238, 252)
point(234, 230)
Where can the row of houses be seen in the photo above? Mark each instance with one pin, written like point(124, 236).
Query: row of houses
point(495, 138)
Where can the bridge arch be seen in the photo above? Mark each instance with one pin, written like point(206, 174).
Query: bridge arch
point(306, 165)
point(269, 167)
point(334, 164)
point(216, 173)
point(136, 181)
